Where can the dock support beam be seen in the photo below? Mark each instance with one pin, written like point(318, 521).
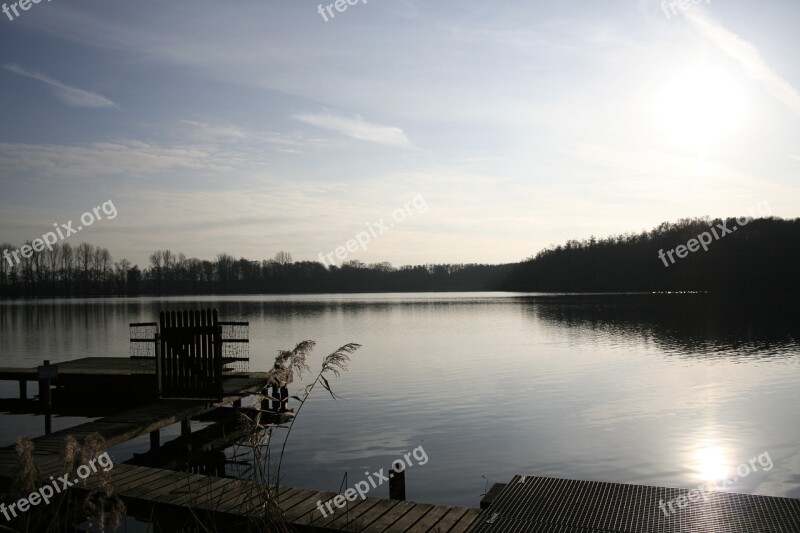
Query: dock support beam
point(155, 439)
point(281, 401)
point(397, 485)
point(23, 389)
point(44, 398)
point(186, 427)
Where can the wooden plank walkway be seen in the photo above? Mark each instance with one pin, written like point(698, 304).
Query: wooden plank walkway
point(86, 366)
point(530, 503)
point(120, 427)
point(231, 500)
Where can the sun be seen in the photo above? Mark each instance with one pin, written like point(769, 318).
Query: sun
point(700, 107)
point(711, 463)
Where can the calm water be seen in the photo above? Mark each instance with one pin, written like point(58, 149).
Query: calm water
point(651, 389)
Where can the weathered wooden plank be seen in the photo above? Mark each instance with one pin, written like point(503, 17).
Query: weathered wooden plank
point(320, 520)
point(182, 490)
point(307, 505)
point(248, 496)
point(465, 521)
point(239, 492)
point(392, 516)
point(431, 518)
point(148, 486)
point(285, 493)
point(410, 518)
point(352, 519)
point(294, 499)
point(129, 479)
point(193, 490)
point(453, 515)
point(212, 493)
point(377, 511)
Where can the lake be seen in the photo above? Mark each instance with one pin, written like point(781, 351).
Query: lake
point(659, 389)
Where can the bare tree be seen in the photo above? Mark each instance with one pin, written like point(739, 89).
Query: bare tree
point(67, 264)
point(121, 269)
point(52, 256)
point(85, 260)
point(102, 263)
point(5, 266)
point(283, 258)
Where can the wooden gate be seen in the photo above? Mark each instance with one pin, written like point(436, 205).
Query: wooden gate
point(189, 355)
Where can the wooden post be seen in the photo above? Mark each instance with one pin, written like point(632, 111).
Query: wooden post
point(44, 396)
point(284, 399)
point(155, 439)
point(397, 485)
point(159, 369)
point(186, 427)
point(218, 354)
point(237, 403)
point(275, 392)
point(23, 389)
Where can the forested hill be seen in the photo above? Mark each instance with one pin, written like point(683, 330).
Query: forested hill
point(760, 254)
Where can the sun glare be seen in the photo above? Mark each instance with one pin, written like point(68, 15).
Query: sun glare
point(711, 463)
point(700, 107)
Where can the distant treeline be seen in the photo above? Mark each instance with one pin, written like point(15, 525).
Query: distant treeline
point(763, 254)
point(86, 270)
point(760, 254)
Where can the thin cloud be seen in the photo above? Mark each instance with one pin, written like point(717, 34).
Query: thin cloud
point(748, 57)
point(356, 128)
point(72, 96)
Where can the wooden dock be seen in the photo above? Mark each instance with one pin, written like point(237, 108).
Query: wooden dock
point(231, 502)
point(107, 373)
point(171, 498)
point(530, 503)
point(121, 427)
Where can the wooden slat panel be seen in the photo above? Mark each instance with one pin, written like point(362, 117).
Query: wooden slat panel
point(395, 514)
point(192, 491)
point(352, 519)
point(307, 505)
point(294, 499)
point(320, 520)
point(212, 494)
point(466, 521)
point(410, 518)
point(451, 518)
point(431, 518)
point(377, 511)
point(148, 485)
point(246, 497)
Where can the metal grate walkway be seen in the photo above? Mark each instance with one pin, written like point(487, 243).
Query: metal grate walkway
point(531, 503)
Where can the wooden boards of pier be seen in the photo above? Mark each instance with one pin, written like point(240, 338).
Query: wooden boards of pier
point(119, 428)
point(227, 502)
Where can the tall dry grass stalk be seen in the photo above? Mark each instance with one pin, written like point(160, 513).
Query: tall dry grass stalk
point(288, 365)
point(101, 508)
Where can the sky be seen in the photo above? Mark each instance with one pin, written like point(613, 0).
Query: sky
point(253, 127)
